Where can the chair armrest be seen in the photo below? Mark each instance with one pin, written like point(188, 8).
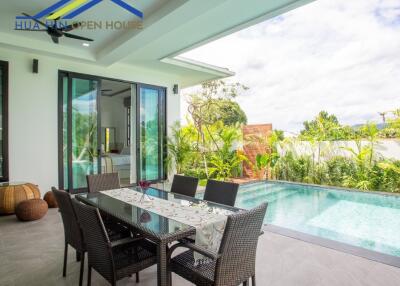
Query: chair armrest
point(124, 241)
point(194, 247)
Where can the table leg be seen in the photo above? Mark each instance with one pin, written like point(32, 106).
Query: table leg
point(162, 273)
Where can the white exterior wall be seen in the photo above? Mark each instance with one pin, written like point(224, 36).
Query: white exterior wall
point(33, 114)
point(387, 148)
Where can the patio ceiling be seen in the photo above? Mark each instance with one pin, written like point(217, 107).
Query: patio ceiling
point(169, 28)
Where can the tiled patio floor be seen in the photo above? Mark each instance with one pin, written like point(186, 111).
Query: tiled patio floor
point(31, 254)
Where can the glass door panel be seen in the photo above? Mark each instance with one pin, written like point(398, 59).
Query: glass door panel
point(151, 133)
point(78, 130)
point(84, 127)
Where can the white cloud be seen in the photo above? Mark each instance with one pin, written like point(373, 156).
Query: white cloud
point(340, 56)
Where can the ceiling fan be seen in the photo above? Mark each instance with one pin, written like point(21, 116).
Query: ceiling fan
point(56, 32)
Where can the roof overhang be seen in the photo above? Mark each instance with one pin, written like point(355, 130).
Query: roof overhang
point(170, 28)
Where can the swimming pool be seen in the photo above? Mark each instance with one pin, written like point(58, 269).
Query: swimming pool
point(366, 220)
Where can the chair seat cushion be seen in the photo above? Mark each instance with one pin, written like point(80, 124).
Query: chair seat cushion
point(134, 257)
point(200, 274)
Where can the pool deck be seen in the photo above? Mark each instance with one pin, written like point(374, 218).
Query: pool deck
point(31, 254)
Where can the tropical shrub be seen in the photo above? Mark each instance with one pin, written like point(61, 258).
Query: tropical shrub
point(205, 147)
point(362, 168)
point(207, 155)
point(179, 148)
point(225, 162)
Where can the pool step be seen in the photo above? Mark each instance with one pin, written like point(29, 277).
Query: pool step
point(262, 196)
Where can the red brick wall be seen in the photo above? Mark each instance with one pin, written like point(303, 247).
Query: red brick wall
point(251, 148)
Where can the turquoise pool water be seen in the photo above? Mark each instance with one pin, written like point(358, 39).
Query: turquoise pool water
point(371, 221)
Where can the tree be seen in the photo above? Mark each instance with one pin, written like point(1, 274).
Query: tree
point(215, 103)
point(229, 112)
point(205, 112)
point(325, 127)
point(392, 130)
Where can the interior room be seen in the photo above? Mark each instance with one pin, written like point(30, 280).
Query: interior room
point(116, 136)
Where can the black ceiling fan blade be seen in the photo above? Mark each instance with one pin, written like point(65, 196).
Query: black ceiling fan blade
point(32, 30)
point(71, 27)
point(34, 19)
point(55, 40)
point(68, 35)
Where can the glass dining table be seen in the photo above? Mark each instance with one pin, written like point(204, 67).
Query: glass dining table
point(157, 228)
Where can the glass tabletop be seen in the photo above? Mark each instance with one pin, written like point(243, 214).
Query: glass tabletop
point(146, 220)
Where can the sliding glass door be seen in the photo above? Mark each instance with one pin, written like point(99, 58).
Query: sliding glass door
point(80, 130)
point(151, 132)
point(3, 121)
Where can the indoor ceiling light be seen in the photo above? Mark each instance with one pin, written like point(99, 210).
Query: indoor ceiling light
point(86, 44)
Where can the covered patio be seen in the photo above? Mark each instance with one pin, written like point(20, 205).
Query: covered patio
point(100, 96)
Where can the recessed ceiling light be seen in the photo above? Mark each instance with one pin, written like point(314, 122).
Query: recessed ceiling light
point(86, 44)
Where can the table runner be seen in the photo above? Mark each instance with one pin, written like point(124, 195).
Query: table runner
point(209, 222)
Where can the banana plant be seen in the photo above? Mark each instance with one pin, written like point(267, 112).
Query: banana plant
point(266, 161)
point(225, 167)
point(224, 161)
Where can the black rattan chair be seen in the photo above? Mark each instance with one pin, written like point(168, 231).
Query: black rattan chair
point(113, 261)
point(221, 192)
point(103, 182)
point(235, 262)
point(184, 185)
point(72, 232)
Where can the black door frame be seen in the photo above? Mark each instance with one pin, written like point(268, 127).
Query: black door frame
point(70, 76)
point(162, 119)
point(162, 129)
point(5, 68)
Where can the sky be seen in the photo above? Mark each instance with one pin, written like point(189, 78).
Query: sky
point(336, 55)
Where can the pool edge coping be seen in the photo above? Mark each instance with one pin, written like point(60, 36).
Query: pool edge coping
point(335, 245)
point(389, 194)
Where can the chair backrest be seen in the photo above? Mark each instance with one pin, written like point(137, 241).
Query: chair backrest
point(102, 182)
point(221, 192)
point(72, 231)
point(98, 244)
point(184, 185)
point(239, 246)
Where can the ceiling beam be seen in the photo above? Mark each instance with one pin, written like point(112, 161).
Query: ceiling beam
point(168, 18)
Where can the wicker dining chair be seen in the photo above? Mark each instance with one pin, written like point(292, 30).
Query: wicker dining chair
point(184, 185)
point(221, 192)
point(103, 182)
point(113, 261)
point(72, 232)
point(235, 262)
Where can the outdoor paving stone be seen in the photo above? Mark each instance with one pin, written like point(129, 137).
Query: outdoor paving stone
point(32, 254)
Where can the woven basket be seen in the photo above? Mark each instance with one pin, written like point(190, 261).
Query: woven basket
point(50, 200)
point(30, 210)
point(11, 196)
